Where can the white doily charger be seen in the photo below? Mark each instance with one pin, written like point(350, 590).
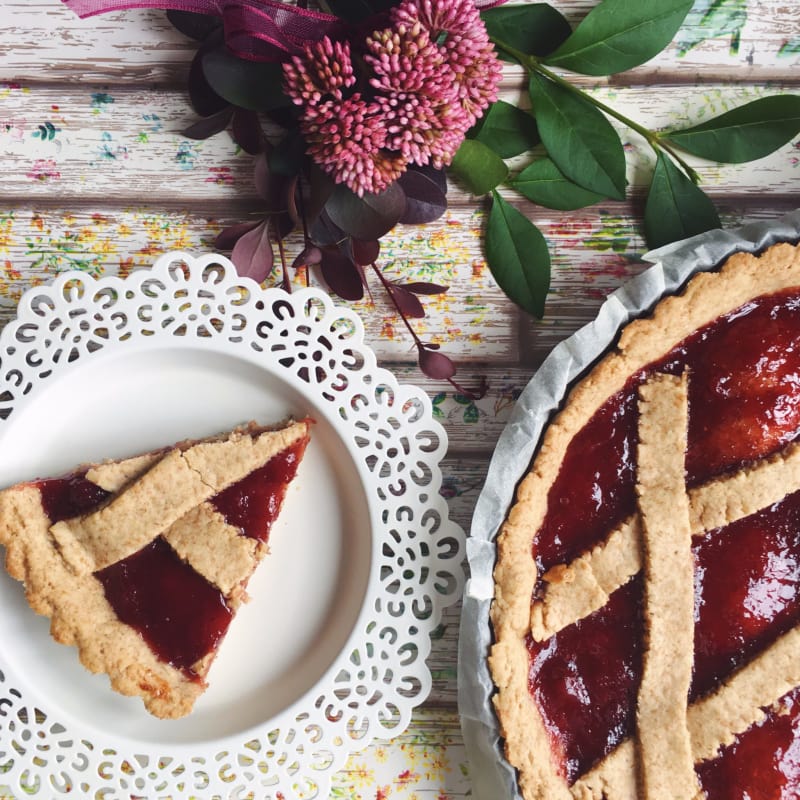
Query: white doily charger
point(330, 653)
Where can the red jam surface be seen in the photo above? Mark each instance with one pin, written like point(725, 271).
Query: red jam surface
point(764, 762)
point(744, 404)
point(177, 611)
point(63, 498)
point(584, 680)
point(253, 503)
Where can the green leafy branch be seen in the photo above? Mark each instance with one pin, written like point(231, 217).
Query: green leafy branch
point(584, 161)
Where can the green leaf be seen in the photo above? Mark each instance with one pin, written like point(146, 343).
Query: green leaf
point(580, 140)
point(545, 184)
point(254, 85)
point(675, 208)
point(534, 29)
point(517, 255)
point(507, 130)
point(751, 131)
point(480, 168)
point(619, 34)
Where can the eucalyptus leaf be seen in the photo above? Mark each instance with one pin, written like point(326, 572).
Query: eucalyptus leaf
point(425, 201)
point(480, 168)
point(545, 184)
point(580, 140)
point(341, 274)
point(196, 26)
point(368, 217)
point(617, 35)
point(255, 85)
point(534, 29)
point(506, 129)
point(517, 255)
point(675, 208)
point(205, 101)
point(209, 126)
point(748, 132)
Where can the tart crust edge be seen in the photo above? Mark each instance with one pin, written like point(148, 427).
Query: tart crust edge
point(706, 296)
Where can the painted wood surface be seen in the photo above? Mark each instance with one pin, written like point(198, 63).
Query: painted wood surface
point(96, 175)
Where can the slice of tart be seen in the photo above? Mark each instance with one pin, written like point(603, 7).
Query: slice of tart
point(142, 563)
point(647, 588)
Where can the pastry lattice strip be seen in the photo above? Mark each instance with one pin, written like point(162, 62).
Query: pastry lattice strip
point(713, 721)
point(665, 754)
point(573, 591)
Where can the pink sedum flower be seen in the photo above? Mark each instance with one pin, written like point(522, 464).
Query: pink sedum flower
point(322, 72)
point(347, 140)
point(431, 75)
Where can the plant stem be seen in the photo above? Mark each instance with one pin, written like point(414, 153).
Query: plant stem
point(532, 64)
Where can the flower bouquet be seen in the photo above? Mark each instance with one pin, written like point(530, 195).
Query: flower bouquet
point(354, 114)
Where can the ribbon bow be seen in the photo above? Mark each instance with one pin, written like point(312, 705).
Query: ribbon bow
point(258, 30)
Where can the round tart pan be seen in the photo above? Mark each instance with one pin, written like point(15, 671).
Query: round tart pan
point(673, 265)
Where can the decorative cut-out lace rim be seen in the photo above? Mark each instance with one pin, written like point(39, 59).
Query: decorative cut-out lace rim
point(415, 572)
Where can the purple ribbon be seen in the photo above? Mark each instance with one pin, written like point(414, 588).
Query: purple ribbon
point(259, 30)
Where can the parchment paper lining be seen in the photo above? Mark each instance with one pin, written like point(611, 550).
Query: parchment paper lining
point(492, 777)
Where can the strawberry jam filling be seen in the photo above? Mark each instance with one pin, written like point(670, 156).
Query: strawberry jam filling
point(744, 401)
point(763, 762)
point(253, 503)
point(744, 404)
point(180, 614)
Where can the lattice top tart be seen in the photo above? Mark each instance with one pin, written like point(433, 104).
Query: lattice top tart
point(647, 588)
point(142, 563)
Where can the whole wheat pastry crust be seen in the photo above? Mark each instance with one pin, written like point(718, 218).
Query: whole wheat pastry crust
point(56, 562)
point(714, 720)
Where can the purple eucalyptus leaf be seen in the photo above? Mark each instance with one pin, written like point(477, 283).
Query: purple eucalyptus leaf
point(407, 303)
point(425, 201)
point(316, 191)
point(324, 232)
point(307, 257)
point(365, 253)
point(282, 224)
point(208, 126)
point(247, 132)
point(204, 100)
point(196, 26)
point(252, 254)
point(367, 217)
point(272, 187)
point(420, 287)
point(228, 237)
point(436, 366)
point(341, 274)
point(438, 176)
point(291, 199)
point(257, 85)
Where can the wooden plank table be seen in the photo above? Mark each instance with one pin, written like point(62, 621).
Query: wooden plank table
point(96, 176)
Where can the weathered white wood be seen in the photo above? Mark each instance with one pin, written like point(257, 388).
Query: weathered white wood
point(42, 40)
point(474, 320)
point(123, 145)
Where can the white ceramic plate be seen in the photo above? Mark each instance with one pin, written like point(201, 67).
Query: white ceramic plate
point(107, 368)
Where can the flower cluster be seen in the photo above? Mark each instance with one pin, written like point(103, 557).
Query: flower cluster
point(425, 81)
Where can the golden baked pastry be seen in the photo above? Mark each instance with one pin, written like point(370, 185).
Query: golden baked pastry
point(142, 563)
point(647, 587)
